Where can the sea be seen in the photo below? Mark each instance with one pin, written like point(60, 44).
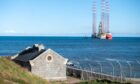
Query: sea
point(119, 56)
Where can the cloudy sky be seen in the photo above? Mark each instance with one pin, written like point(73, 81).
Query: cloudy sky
point(65, 17)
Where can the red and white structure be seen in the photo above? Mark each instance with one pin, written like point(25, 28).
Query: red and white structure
point(104, 31)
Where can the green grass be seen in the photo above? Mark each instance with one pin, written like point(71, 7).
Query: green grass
point(11, 73)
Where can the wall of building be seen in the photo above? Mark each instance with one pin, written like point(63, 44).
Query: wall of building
point(54, 69)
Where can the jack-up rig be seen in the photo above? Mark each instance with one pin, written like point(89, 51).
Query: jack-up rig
point(103, 30)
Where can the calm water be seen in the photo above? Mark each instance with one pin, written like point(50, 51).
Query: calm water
point(91, 54)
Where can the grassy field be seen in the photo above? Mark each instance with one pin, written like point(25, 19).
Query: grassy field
point(11, 73)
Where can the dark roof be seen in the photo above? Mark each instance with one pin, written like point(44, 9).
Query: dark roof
point(29, 54)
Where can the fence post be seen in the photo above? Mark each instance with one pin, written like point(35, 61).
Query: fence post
point(120, 69)
point(130, 70)
point(112, 70)
point(100, 69)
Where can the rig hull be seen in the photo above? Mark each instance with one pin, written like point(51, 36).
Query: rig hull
point(102, 36)
point(109, 36)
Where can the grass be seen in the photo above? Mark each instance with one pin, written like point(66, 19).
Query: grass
point(11, 73)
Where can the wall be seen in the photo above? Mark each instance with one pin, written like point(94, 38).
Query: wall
point(53, 70)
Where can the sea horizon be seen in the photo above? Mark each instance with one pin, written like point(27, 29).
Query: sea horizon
point(118, 36)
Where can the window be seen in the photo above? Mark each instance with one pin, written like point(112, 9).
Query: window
point(49, 58)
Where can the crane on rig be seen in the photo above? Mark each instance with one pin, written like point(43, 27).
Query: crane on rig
point(103, 29)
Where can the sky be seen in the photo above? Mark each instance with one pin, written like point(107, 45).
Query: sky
point(65, 17)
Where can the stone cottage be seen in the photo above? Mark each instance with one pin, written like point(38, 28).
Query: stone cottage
point(45, 63)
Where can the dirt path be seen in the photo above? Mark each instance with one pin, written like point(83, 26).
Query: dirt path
point(135, 80)
point(72, 80)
